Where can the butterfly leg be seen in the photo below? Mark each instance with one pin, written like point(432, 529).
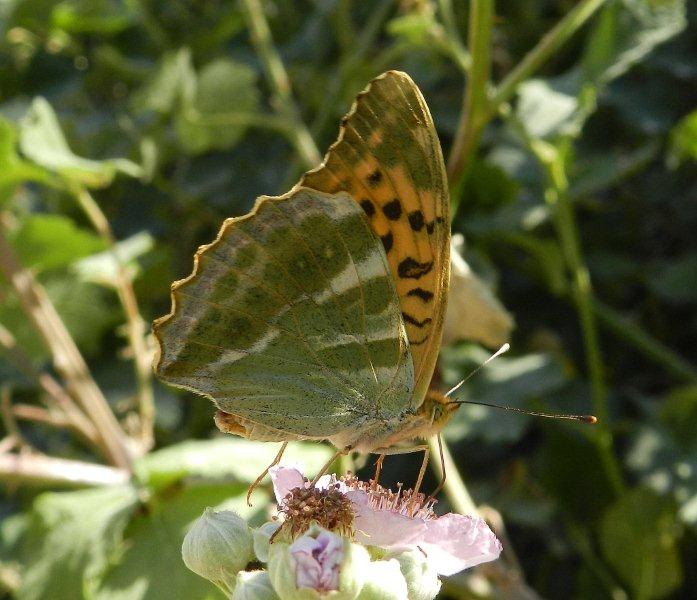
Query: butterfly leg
point(328, 464)
point(257, 481)
point(378, 469)
point(408, 450)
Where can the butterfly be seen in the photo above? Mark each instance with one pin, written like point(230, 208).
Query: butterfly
point(319, 314)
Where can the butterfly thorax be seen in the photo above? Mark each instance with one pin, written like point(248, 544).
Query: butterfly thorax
point(392, 436)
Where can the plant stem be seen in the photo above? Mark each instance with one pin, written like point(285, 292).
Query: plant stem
point(480, 104)
point(56, 396)
point(279, 82)
point(455, 47)
point(543, 51)
point(37, 469)
point(135, 324)
point(505, 574)
point(557, 197)
point(626, 329)
point(474, 114)
point(67, 359)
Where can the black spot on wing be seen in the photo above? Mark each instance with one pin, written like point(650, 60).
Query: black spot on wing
point(416, 220)
point(418, 342)
point(368, 207)
point(387, 241)
point(414, 321)
point(413, 269)
point(425, 295)
point(430, 227)
point(393, 209)
point(375, 178)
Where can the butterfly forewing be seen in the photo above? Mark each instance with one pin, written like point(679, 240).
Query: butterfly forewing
point(291, 319)
point(389, 160)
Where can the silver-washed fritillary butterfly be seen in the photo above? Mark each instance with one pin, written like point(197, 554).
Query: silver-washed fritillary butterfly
point(319, 314)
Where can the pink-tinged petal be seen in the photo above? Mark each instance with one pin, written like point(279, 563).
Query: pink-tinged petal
point(382, 527)
point(285, 479)
point(455, 542)
point(317, 561)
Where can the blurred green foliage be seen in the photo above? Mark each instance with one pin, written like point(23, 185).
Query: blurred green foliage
point(163, 112)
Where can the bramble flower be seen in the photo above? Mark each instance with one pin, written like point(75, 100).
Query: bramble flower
point(339, 539)
point(397, 521)
point(318, 563)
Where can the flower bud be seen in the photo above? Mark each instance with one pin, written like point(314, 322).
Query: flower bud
point(217, 547)
point(262, 540)
point(422, 580)
point(317, 563)
point(253, 585)
point(384, 581)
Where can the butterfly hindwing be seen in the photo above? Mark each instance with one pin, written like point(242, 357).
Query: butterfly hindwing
point(389, 160)
point(291, 319)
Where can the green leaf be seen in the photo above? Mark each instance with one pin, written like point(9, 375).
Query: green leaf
point(664, 452)
point(572, 472)
point(152, 566)
point(42, 140)
point(683, 141)
point(638, 537)
point(174, 80)
point(212, 459)
point(215, 117)
point(626, 32)
point(13, 169)
point(45, 242)
point(673, 280)
point(105, 17)
point(71, 539)
point(546, 108)
point(103, 268)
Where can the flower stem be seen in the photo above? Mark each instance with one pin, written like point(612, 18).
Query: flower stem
point(279, 82)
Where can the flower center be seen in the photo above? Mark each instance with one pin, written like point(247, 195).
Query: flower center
point(404, 502)
point(328, 507)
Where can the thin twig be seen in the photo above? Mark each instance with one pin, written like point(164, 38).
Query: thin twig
point(630, 332)
point(67, 359)
point(279, 82)
point(8, 418)
point(135, 324)
point(543, 51)
point(55, 395)
point(41, 470)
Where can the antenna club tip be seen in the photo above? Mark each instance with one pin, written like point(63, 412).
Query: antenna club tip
point(590, 419)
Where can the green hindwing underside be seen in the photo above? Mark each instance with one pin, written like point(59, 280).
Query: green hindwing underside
point(291, 319)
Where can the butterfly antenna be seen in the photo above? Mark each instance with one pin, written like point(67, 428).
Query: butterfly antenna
point(582, 418)
point(499, 352)
point(590, 419)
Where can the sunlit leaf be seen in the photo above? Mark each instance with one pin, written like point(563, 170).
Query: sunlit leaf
point(42, 140)
point(103, 268)
point(638, 536)
point(226, 457)
point(46, 242)
point(71, 538)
